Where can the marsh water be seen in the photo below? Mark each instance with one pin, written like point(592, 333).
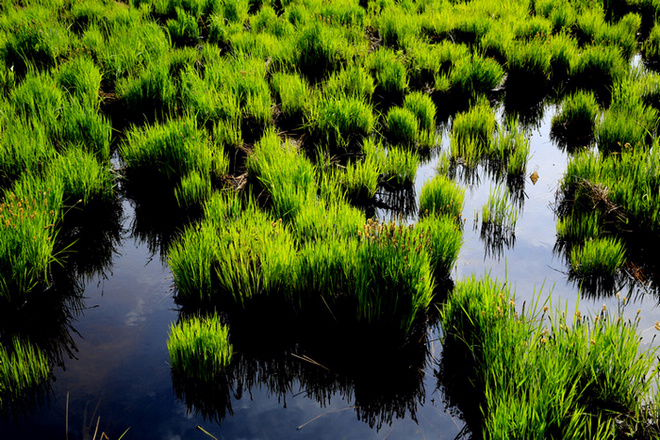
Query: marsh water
point(114, 372)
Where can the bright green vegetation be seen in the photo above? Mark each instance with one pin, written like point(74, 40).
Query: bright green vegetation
point(285, 173)
point(178, 152)
point(630, 120)
point(422, 106)
point(606, 201)
point(540, 373)
point(400, 166)
point(295, 95)
point(509, 152)
point(472, 133)
point(389, 72)
point(277, 127)
point(317, 253)
point(402, 126)
point(199, 348)
point(602, 256)
point(470, 76)
point(498, 211)
point(498, 221)
point(360, 179)
point(442, 197)
point(528, 63)
point(341, 120)
point(574, 124)
point(477, 138)
point(651, 47)
point(22, 367)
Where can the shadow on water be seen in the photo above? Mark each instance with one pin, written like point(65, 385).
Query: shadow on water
point(496, 239)
point(639, 277)
point(457, 381)
point(158, 217)
point(376, 369)
point(397, 202)
point(89, 238)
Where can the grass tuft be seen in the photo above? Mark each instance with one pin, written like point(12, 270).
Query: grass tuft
point(199, 348)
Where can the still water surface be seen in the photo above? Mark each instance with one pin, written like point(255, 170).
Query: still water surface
point(120, 372)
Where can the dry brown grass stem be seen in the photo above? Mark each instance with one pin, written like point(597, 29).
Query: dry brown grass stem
point(598, 193)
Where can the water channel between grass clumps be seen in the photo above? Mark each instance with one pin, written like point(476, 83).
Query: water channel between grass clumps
point(120, 377)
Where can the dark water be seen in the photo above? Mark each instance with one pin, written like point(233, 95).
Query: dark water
point(121, 379)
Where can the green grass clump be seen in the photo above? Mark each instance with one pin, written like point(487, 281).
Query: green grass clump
point(360, 178)
point(422, 106)
point(389, 71)
point(444, 240)
point(325, 220)
point(192, 259)
point(402, 126)
point(381, 279)
point(618, 130)
point(256, 259)
point(354, 81)
point(295, 95)
point(540, 374)
point(341, 121)
point(561, 13)
point(576, 121)
point(498, 211)
point(171, 150)
point(651, 46)
point(38, 98)
point(577, 228)
point(398, 27)
point(81, 127)
point(319, 49)
point(528, 64)
point(244, 76)
point(621, 184)
point(82, 176)
point(598, 67)
point(129, 48)
point(442, 197)
point(24, 147)
point(601, 256)
point(199, 348)
point(206, 100)
point(227, 132)
point(509, 151)
point(183, 30)
point(22, 367)
point(284, 172)
point(35, 38)
point(193, 189)
point(472, 75)
point(563, 56)
point(426, 61)
point(81, 77)
point(400, 166)
point(151, 92)
point(29, 217)
point(629, 120)
point(472, 132)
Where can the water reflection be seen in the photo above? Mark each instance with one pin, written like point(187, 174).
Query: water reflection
point(527, 104)
point(457, 382)
point(376, 370)
point(399, 203)
point(158, 218)
point(496, 239)
point(572, 141)
point(88, 240)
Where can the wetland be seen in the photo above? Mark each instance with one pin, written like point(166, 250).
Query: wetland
point(329, 219)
